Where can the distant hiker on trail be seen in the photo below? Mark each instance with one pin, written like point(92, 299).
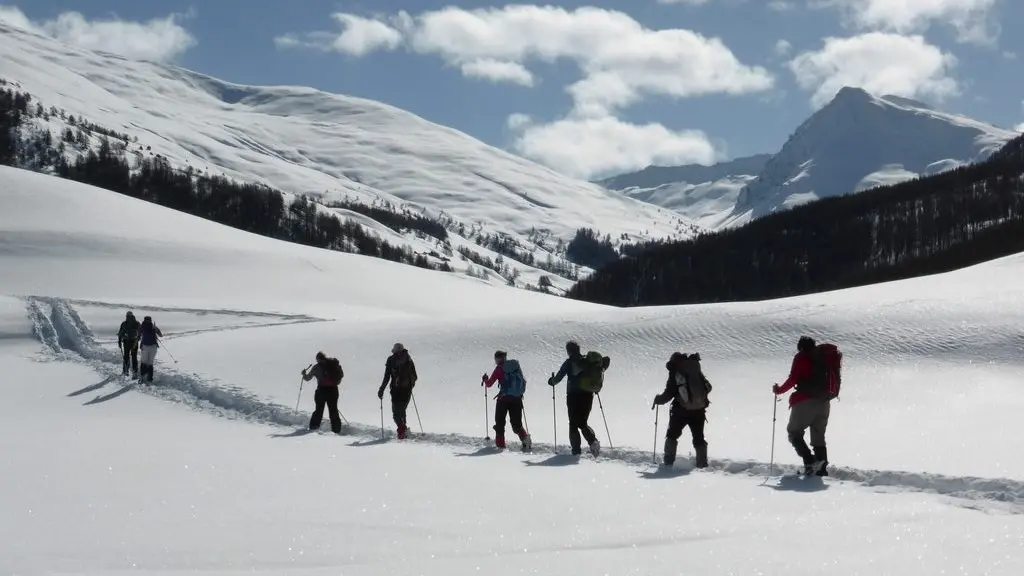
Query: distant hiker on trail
point(328, 374)
point(815, 374)
point(400, 373)
point(688, 390)
point(128, 344)
point(511, 388)
point(578, 401)
point(149, 333)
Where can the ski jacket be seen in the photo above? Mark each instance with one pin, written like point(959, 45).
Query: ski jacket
point(149, 333)
point(497, 376)
point(571, 370)
point(799, 371)
point(128, 332)
point(399, 371)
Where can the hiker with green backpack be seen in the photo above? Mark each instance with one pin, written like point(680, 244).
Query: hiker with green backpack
point(585, 376)
point(687, 388)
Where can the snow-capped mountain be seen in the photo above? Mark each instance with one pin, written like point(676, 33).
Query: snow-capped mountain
point(705, 194)
point(857, 141)
point(308, 142)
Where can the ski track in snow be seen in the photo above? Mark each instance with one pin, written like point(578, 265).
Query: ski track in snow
point(67, 337)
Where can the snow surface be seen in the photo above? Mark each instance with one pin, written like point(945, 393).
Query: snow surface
point(332, 147)
point(208, 470)
point(856, 142)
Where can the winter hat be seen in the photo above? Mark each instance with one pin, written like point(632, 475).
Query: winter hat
point(500, 354)
point(572, 347)
point(805, 344)
point(397, 348)
point(129, 314)
point(320, 356)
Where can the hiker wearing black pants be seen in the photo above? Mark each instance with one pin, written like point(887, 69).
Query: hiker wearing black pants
point(400, 374)
point(128, 343)
point(578, 401)
point(688, 390)
point(328, 374)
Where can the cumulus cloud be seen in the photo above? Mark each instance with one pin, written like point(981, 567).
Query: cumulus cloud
point(974, 20)
point(620, 61)
point(158, 39)
point(359, 36)
point(878, 62)
point(782, 47)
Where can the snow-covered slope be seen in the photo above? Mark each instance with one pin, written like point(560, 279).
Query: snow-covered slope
point(858, 141)
point(208, 471)
point(304, 141)
point(704, 194)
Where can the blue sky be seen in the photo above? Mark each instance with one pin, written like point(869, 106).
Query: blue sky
point(589, 88)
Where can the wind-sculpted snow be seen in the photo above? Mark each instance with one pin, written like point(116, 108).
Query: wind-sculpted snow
point(58, 325)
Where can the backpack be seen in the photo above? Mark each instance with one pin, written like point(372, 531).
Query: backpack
point(592, 367)
point(333, 372)
point(402, 374)
point(514, 382)
point(693, 391)
point(826, 373)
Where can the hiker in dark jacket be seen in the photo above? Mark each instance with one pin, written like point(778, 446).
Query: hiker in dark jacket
point(578, 401)
point(806, 411)
point(400, 374)
point(149, 335)
point(128, 344)
point(328, 374)
point(688, 390)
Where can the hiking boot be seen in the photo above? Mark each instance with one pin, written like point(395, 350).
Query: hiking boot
point(576, 451)
point(702, 456)
point(595, 448)
point(527, 442)
point(499, 440)
point(820, 461)
point(670, 451)
point(402, 429)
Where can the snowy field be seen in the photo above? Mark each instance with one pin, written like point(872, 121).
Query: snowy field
point(208, 470)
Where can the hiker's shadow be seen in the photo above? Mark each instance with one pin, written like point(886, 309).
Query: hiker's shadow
point(92, 387)
point(295, 434)
point(374, 442)
point(555, 460)
point(483, 451)
point(800, 484)
point(111, 396)
point(664, 472)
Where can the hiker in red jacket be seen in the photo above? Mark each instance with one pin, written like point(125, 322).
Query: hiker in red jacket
point(807, 409)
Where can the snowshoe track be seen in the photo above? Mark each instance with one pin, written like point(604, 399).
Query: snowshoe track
point(59, 327)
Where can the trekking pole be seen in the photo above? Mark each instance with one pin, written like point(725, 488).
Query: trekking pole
point(417, 412)
point(605, 422)
point(301, 382)
point(162, 343)
point(554, 416)
point(771, 464)
point(487, 429)
point(525, 423)
point(654, 452)
point(381, 418)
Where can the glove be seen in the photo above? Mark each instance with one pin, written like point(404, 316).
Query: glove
point(483, 379)
point(551, 381)
point(775, 389)
point(653, 404)
point(303, 373)
point(380, 393)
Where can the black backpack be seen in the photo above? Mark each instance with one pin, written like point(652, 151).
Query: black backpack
point(333, 372)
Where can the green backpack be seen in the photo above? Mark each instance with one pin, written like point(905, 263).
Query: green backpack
point(592, 369)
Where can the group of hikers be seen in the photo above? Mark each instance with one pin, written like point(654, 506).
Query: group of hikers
point(815, 377)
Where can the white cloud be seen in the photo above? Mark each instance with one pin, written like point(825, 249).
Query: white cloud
point(620, 62)
point(687, 2)
point(782, 47)
point(359, 36)
point(878, 62)
point(974, 20)
point(158, 39)
point(592, 147)
point(498, 71)
point(781, 6)
point(1019, 127)
point(518, 121)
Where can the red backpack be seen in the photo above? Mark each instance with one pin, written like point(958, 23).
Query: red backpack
point(829, 369)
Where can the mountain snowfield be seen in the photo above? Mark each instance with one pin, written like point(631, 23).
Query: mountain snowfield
point(856, 142)
point(209, 471)
point(327, 146)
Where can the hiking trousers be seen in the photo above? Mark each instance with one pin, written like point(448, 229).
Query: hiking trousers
point(810, 413)
point(679, 418)
point(326, 396)
point(511, 406)
point(579, 404)
point(130, 351)
point(400, 398)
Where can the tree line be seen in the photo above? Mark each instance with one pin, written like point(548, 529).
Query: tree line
point(927, 225)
